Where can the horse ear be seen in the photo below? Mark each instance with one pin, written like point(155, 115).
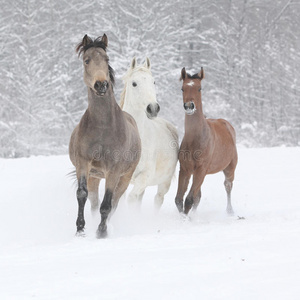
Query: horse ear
point(105, 39)
point(147, 63)
point(133, 63)
point(85, 41)
point(201, 74)
point(183, 74)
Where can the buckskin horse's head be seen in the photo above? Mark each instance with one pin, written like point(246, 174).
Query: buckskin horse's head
point(98, 74)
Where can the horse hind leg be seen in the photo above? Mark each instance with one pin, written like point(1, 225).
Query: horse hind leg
point(228, 187)
point(93, 188)
point(228, 183)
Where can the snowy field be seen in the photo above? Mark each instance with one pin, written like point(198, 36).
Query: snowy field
point(254, 254)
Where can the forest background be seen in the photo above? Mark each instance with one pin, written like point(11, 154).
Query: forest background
point(249, 50)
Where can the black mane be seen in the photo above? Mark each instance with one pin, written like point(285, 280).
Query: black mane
point(111, 74)
point(88, 43)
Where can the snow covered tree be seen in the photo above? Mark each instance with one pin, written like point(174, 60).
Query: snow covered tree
point(248, 50)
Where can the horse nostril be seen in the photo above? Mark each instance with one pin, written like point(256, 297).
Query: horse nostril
point(97, 85)
point(189, 105)
point(157, 108)
point(149, 110)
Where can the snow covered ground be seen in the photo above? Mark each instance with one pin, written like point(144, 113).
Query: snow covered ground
point(252, 255)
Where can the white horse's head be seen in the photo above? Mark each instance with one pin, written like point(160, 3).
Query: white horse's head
point(139, 90)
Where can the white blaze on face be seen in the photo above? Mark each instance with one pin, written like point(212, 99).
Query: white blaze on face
point(191, 83)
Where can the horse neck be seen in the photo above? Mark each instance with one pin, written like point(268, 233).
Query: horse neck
point(105, 109)
point(196, 123)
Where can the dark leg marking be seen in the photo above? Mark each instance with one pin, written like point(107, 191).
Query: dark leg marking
point(82, 194)
point(179, 204)
point(105, 210)
point(197, 200)
point(183, 182)
point(189, 201)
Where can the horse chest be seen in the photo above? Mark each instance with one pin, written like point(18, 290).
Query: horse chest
point(194, 154)
point(98, 144)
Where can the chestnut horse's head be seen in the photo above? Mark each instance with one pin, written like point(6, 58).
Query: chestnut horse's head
point(97, 72)
point(191, 91)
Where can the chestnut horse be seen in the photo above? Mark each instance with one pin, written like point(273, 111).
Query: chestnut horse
point(106, 142)
point(208, 147)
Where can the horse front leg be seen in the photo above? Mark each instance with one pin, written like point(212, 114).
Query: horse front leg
point(183, 182)
point(136, 194)
point(105, 210)
point(106, 205)
point(162, 189)
point(82, 194)
point(194, 195)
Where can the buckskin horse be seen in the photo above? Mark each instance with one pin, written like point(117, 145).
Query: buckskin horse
point(106, 142)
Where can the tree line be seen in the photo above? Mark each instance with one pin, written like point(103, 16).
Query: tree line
point(248, 50)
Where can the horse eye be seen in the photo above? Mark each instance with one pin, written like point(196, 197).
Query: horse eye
point(134, 84)
point(87, 61)
point(199, 90)
point(182, 89)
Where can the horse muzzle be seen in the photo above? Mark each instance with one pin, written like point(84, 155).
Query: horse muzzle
point(152, 110)
point(189, 107)
point(101, 87)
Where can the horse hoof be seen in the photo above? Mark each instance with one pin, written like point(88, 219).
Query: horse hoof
point(101, 234)
point(179, 206)
point(80, 233)
point(185, 217)
point(230, 211)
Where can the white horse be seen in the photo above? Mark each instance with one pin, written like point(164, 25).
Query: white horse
point(159, 138)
